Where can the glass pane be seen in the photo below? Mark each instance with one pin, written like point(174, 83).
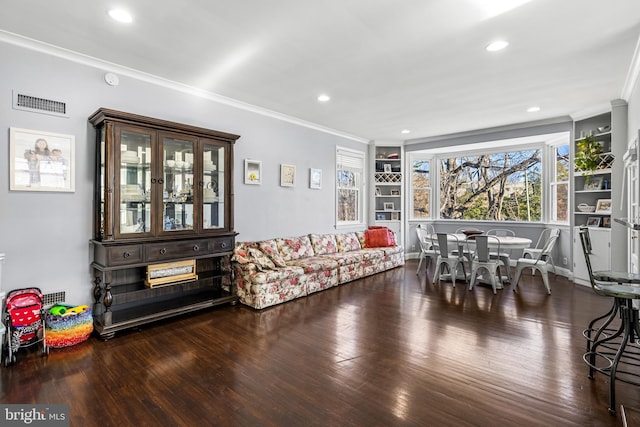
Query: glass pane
point(562, 202)
point(421, 203)
point(177, 194)
point(347, 205)
point(213, 187)
point(135, 182)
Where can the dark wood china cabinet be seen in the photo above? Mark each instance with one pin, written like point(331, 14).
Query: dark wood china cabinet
point(163, 219)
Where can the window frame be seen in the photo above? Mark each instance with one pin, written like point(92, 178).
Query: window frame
point(429, 158)
point(357, 156)
point(550, 202)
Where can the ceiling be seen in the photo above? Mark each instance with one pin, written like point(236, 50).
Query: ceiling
point(387, 65)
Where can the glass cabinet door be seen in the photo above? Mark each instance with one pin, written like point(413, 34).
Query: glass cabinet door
point(177, 184)
point(135, 182)
point(213, 196)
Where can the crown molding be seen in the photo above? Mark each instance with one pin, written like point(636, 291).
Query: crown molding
point(633, 75)
point(90, 61)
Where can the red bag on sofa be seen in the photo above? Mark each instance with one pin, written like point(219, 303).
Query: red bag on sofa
point(379, 237)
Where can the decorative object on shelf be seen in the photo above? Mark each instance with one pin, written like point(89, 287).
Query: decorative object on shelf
point(595, 183)
point(583, 207)
point(606, 222)
point(603, 206)
point(378, 192)
point(395, 216)
point(252, 172)
point(387, 168)
point(315, 178)
point(287, 175)
point(392, 156)
point(380, 217)
point(604, 129)
point(395, 192)
point(388, 206)
point(594, 221)
point(588, 154)
point(41, 161)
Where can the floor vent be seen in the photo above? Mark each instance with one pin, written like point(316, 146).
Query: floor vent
point(39, 105)
point(54, 298)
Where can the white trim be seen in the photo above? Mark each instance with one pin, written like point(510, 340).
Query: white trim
point(633, 74)
point(69, 55)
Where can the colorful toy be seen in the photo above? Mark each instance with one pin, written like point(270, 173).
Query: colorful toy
point(68, 325)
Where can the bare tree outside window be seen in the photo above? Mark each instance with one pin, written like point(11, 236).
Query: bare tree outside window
point(498, 186)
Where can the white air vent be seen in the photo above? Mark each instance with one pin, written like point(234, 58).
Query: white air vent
point(39, 105)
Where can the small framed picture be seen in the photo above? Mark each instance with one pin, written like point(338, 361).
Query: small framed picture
point(378, 192)
point(315, 178)
point(287, 175)
point(395, 216)
point(603, 206)
point(387, 167)
point(252, 172)
point(606, 222)
point(593, 221)
point(388, 206)
point(380, 217)
point(595, 183)
point(395, 192)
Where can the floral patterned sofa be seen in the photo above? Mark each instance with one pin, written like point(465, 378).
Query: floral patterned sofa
point(278, 270)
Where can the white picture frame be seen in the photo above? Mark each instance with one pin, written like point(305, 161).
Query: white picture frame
point(287, 175)
point(388, 206)
point(603, 206)
point(253, 172)
point(387, 168)
point(41, 161)
point(315, 178)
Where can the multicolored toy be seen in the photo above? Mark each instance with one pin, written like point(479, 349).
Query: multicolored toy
point(67, 325)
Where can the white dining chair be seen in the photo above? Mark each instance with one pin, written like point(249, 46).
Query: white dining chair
point(540, 263)
point(428, 250)
point(546, 234)
point(503, 256)
point(446, 257)
point(483, 261)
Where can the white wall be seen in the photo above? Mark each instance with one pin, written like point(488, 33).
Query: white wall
point(45, 236)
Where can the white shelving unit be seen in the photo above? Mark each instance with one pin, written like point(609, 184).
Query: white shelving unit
point(388, 180)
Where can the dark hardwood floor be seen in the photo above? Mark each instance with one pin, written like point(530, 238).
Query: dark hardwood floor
point(389, 350)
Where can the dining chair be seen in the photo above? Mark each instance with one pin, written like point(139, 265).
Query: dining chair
point(447, 258)
point(504, 257)
point(428, 250)
point(606, 345)
point(546, 234)
point(540, 263)
point(466, 252)
point(482, 260)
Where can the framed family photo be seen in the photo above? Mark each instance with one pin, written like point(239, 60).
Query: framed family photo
point(41, 161)
point(594, 221)
point(315, 178)
point(603, 206)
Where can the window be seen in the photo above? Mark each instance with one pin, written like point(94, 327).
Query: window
point(420, 189)
point(559, 184)
point(349, 186)
point(493, 186)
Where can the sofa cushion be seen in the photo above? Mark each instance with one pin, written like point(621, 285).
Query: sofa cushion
point(348, 242)
point(323, 243)
point(241, 253)
point(361, 239)
point(277, 275)
point(293, 248)
point(346, 258)
point(369, 254)
point(314, 264)
point(270, 249)
point(261, 260)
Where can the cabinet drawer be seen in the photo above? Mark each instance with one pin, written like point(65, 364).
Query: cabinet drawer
point(123, 255)
point(221, 244)
point(171, 250)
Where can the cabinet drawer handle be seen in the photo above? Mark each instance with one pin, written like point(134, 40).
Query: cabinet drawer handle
point(161, 181)
point(196, 247)
point(223, 244)
point(153, 180)
point(163, 251)
point(126, 254)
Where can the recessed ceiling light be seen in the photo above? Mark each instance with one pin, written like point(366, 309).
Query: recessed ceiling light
point(323, 98)
point(533, 109)
point(406, 131)
point(497, 45)
point(121, 15)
